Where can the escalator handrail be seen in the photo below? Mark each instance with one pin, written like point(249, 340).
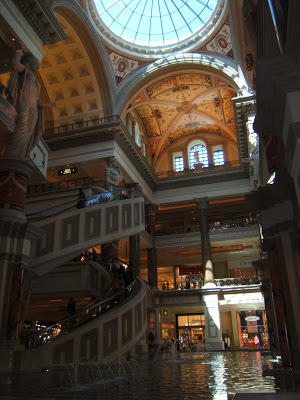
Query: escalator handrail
point(94, 304)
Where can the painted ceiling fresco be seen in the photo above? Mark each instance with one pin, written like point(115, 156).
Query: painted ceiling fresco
point(184, 104)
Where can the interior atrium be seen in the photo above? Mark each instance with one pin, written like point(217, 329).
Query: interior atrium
point(178, 121)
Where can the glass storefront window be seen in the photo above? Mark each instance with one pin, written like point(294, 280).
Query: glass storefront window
point(253, 329)
point(191, 328)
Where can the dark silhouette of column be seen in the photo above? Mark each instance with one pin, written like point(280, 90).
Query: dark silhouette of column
point(134, 253)
point(266, 288)
point(151, 253)
point(205, 241)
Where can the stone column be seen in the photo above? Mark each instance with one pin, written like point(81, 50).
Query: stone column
point(279, 304)
point(266, 288)
point(134, 253)
point(235, 330)
point(18, 242)
point(205, 243)
point(14, 177)
point(151, 253)
point(290, 264)
point(213, 335)
point(158, 333)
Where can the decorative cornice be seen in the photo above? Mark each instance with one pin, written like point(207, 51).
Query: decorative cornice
point(243, 107)
point(41, 18)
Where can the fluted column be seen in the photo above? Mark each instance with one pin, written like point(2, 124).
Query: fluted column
point(205, 242)
point(151, 253)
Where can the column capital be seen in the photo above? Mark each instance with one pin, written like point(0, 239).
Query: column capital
point(202, 202)
point(134, 188)
point(151, 209)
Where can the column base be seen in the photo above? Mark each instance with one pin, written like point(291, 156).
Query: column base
point(10, 214)
point(219, 345)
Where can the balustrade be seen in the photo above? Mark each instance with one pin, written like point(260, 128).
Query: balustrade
point(188, 171)
point(82, 125)
point(213, 226)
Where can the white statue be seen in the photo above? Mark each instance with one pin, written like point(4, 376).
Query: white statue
point(113, 175)
point(254, 157)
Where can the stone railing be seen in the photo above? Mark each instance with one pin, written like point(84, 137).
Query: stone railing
point(201, 169)
point(104, 331)
point(241, 222)
point(62, 185)
point(82, 125)
point(94, 309)
point(85, 227)
point(253, 280)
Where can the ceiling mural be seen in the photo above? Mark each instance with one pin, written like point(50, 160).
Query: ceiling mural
point(184, 104)
point(221, 42)
point(122, 66)
point(177, 85)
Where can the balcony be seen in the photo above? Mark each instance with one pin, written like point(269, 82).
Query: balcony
point(199, 169)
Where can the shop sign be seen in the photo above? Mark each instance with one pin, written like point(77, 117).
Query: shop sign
point(252, 318)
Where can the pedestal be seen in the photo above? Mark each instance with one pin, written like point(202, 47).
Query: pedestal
point(213, 334)
point(14, 176)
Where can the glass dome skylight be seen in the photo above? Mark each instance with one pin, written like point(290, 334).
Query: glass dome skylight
point(155, 23)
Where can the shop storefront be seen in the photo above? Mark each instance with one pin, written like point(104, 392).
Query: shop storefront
point(253, 330)
point(191, 328)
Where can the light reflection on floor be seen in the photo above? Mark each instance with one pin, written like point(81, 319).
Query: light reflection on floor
point(204, 376)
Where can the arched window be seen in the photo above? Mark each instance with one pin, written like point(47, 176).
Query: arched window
point(198, 154)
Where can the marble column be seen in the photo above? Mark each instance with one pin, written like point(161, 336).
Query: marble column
point(205, 243)
point(213, 334)
point(290, 264)
point(279, 304)
point(17, 246)
point(151, 253)
point(266, 287)
point(134, 253)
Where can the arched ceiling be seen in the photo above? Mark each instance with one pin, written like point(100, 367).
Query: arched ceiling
point(184, 104)
point(70, 80)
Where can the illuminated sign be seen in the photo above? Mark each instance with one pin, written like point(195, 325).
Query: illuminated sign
point(252, 318)
point(67, 171)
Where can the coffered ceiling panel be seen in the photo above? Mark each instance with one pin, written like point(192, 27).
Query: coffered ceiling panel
point(70, 81)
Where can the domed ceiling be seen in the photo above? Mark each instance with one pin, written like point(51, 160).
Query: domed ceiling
point(156, 27)
point(185, 105)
